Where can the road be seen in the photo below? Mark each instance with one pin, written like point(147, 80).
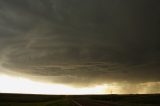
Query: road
point(88, 102)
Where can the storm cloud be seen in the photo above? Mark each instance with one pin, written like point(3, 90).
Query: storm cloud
point(83, 42)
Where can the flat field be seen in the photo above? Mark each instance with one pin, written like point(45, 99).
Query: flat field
point(79, 100)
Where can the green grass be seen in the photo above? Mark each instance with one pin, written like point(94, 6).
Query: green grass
point(130, 100)
point(63, 102)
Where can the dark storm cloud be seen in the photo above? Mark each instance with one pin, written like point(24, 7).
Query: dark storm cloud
point(81, 41)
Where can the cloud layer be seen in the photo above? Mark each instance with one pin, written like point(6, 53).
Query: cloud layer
point(81, 42)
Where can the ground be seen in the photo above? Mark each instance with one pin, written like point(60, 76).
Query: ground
point(79, 100)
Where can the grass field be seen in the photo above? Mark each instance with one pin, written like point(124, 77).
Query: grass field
point(130, 100)
point(62, 100)
point(50, 103)
point(33, 100)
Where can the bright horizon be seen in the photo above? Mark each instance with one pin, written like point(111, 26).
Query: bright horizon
point(10, 84)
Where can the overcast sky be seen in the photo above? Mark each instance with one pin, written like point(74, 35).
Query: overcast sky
point(82, 42)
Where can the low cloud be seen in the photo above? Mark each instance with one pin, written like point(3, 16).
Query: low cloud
point(79, 42)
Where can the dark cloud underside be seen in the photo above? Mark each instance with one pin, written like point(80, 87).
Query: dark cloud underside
point(81, 41)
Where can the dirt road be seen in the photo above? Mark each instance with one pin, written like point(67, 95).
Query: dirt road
point(88, 102)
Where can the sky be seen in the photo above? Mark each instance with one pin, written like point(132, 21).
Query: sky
point(82, 43)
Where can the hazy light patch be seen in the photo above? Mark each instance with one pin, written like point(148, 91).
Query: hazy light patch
point(9, 84)
point(138, 88)
point(150, 87)
point(12, 84)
